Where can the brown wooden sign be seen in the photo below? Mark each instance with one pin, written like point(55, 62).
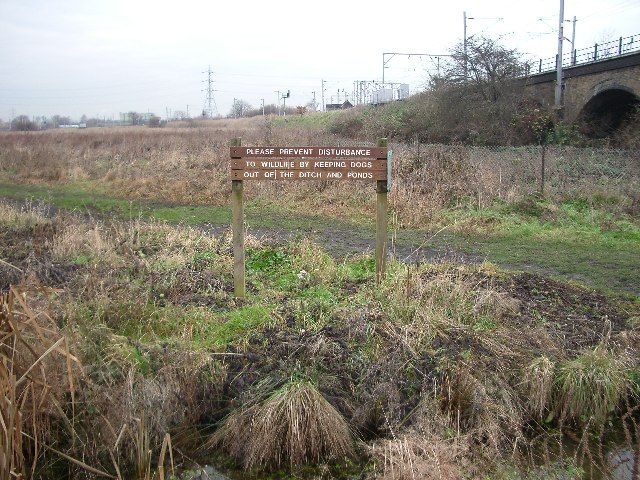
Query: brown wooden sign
point(308, 163)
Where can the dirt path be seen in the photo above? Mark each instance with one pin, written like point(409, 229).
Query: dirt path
point(339, 241)
point(342, 242)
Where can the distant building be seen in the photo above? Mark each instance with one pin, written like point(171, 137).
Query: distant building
point(386, 95)
point(339, 106)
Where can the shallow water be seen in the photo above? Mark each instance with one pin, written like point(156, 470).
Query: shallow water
point(622, 463)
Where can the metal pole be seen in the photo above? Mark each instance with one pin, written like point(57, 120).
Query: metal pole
point(573, 41)
point(464, 43)
point(383, 70)
point(558, 91)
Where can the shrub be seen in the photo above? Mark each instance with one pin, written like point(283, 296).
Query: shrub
point(23, 124)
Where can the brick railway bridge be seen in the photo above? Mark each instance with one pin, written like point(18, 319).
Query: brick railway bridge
point(601, 84)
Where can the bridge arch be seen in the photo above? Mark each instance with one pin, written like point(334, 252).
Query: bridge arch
point(609, 105)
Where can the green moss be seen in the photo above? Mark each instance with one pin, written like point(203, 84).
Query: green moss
point(485, 324)
point(267, 260)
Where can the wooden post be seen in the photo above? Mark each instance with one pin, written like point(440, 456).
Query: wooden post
point(381, 222)
point(237, 227)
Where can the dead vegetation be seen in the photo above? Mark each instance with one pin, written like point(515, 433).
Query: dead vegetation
point(294, 426)
point(444, 371)
point(189, 166)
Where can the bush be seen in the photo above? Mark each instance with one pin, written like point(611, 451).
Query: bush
point(23, 124)
point(348, 124)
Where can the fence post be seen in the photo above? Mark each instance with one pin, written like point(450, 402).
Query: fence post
point(540, 66)
point(595, 52)
point(381, 222)
point(237, 227)
point(620, 46)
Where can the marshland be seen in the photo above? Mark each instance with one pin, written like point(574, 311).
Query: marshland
point(503, 342)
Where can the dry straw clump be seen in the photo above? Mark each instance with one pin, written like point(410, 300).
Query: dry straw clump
point(26, 216)
point(539, 379)
point(416, 457)
point(591, 385)
point(77, 238)
point(294, 426)
point(38, 379)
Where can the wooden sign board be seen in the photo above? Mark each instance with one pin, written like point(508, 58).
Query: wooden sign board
point(308, 163)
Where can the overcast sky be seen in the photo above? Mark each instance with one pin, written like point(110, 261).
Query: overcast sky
point(104, 57)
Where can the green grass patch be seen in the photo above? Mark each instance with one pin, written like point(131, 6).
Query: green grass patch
point(316, 120)
point(87, 197)
point(232, 327)
point(569, 240)
point(359, 269)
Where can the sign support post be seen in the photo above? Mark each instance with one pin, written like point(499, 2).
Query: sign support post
point(382, 220)
point(237, 227)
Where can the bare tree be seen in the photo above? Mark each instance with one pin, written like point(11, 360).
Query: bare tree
point(486, 68)
point(477, 95)
point(240, 108)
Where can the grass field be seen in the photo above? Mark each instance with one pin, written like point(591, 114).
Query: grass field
point(568, 240)
point(502, 344)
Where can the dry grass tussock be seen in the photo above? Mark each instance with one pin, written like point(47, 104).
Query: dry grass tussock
point(294, 426)
point(190, 166)
point(25, 216)
point(38, 382)
point(539, 378)
point(416, 457)
point(592, 384)
point(429, 449)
